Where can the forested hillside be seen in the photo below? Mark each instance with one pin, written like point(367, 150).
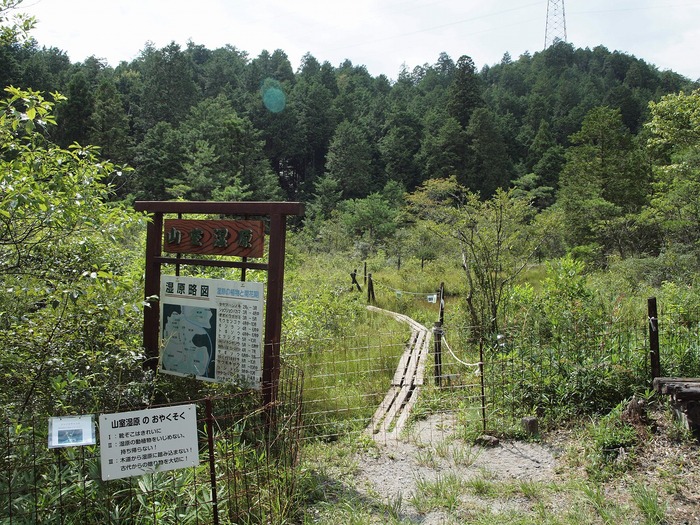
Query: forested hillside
point(563, 126)
point(211, 124)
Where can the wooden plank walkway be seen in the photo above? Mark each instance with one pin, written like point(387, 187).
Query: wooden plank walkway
point(393, 412)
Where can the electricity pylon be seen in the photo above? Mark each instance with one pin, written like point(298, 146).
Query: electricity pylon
point(555, 30)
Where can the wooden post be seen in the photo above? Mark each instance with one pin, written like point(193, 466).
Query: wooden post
point(654, 357)
point(353, 276)
point(437, 343)
point(273, 309)
point(437, 337)
point(151, 310)
point(441, 297)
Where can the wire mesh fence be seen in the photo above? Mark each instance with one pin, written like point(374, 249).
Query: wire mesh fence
point(246, 471)
point(587, 368)
point(490, 383)
point(248, 453)
point(679, 341)
point(563, 374)
point(348, 379)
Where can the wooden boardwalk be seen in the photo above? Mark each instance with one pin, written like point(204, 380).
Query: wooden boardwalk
point(393, 412)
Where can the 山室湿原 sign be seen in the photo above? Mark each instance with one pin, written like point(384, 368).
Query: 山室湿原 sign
point(212, 329)
point(146, 441)
point(212, 237)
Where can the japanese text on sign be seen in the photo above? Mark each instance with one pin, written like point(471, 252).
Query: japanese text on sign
point(212, 329)
point(145, 441)
point(220, 237)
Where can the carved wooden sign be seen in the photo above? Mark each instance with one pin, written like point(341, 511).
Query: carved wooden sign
point(214, 237)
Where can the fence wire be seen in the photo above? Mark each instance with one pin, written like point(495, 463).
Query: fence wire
point(346, 380)
point(490, 383)
point(246, 473)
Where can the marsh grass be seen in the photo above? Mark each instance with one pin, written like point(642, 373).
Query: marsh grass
point(347, 377)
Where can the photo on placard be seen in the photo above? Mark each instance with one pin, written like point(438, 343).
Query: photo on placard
point(71, 431)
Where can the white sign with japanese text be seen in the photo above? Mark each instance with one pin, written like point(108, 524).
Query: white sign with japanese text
point(145, 441)
point(212, 329)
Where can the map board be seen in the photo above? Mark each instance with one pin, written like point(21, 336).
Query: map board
point(212, 329)
point(145, 441)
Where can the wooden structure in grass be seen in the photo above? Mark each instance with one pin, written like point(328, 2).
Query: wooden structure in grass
point(241, 223)
point(392, 414)
point(685, 398)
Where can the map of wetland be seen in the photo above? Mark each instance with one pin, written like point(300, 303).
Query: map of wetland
point(189, 335)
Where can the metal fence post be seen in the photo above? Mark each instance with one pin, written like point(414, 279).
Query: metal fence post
point(209, 418)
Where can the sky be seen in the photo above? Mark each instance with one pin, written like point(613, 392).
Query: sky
point(382, 35)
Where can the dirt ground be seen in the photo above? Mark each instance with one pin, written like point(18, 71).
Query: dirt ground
point(394, 470)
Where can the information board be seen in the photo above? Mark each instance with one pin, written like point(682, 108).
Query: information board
point(145, 441)
point(71, 431)
point(212, 329)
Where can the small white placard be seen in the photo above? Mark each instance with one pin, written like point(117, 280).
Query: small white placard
point(71, 431)
point(146, 441)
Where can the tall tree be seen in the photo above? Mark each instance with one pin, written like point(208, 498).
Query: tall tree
point(75, 112)
point(159, 157)
point(490, 167)
point(349, 160)
point(227, 150)
point(169, 87)
point(675, 145)
point(605, 177)
point(464, 92)
point(109, 124)
point(224, 73)
point(443, 148)
point(316, 122)
point(277, 118)
point(45, 69)
point(399, 147)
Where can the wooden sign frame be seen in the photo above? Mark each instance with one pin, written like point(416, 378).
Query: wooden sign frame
point(275, 213)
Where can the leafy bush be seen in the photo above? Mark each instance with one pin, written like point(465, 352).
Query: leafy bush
point(70, 283)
